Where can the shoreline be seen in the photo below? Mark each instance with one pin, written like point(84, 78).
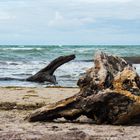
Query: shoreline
point(18, 102)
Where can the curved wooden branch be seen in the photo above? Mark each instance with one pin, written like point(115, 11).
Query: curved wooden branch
point(46, 74)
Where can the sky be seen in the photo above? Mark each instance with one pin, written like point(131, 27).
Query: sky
point(59, 22)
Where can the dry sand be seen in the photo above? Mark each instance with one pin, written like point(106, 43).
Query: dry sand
point(16, 103)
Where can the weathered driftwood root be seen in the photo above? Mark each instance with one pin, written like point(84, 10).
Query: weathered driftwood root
point(46, 74)
point(109, 93)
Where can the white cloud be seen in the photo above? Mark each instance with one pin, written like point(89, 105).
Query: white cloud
point(60, 21)
point(104, 1)
point(6, 16)
point(35, 18)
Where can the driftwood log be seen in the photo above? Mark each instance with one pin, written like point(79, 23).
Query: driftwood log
point(109, 93)
point(46, 74)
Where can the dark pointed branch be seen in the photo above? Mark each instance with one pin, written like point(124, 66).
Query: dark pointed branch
point(46, 74)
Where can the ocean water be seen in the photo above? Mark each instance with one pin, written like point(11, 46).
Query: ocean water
point(19, 62)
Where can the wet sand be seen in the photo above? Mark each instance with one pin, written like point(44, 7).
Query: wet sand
point(16, 103)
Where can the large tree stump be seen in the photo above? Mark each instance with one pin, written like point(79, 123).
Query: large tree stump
point(109, 93)
point(46, 74)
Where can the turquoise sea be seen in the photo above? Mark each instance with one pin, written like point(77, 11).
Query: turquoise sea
point(19, 62)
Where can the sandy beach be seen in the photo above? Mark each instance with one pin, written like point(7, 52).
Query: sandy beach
point(17, 102)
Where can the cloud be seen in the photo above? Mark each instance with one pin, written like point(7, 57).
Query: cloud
point(104, 1)
point(78, 14)
point(34, 20)
point(6, 16)
point(59, 21)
